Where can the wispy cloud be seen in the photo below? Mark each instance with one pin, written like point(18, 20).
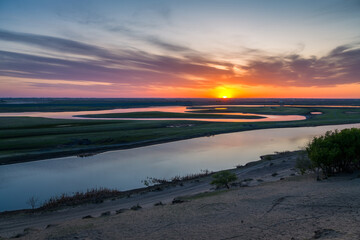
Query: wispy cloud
point(48, 42)
point(166, 45)
point(339, 66)
point(189, 68)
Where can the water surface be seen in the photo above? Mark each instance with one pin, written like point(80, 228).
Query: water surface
point(175, 109)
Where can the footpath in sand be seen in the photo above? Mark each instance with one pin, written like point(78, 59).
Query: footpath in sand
point(296, 207)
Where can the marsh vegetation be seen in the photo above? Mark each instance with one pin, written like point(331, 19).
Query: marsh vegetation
point(41, 138)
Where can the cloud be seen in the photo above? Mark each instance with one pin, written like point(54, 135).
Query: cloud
point(149, 39)
point(48, 42)
point(115, 66)
point(165, 45)
point(339, 66)
point(188, 68)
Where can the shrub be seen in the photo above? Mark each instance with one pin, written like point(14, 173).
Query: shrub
point(150, 181)
point(159, 204)
point(136, 207)
point(32, 202)
point(336, 151)
point(268, 157)
point(105, 214)
point(90, 196)
point(303, 164)
point(223, 179)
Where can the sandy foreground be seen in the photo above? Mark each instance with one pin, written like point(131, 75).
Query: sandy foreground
point(260, 206)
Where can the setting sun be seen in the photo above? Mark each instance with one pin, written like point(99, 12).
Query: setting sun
point(224, 92)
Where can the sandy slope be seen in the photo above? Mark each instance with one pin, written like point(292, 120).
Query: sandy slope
point(293, 208)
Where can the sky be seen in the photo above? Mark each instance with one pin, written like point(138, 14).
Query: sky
point(148, 48)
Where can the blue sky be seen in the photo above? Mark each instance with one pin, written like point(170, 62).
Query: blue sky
point(191, 48)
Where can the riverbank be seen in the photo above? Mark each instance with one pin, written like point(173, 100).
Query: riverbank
point(270, 200)
point(64, 138)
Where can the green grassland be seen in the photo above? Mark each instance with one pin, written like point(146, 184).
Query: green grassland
point(26, 138)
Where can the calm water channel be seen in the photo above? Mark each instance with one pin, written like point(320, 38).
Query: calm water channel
point(174, 109)
point(124, 169)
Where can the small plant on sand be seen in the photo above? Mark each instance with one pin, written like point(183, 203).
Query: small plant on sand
point(159, 204)
point(239, 166)
point(96, 195)
point(151, 181)
point(32, 202)
point(136, 207)
point(104, 214)
point(268, 158)
point(303, 164)
point(223, 178)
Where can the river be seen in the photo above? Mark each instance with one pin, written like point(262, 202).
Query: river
point(172, 109)
point(124, 169)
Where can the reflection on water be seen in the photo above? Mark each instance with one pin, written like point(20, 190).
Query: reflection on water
point(70, 115)
point(178, 109)
point(124, 169)
point(277, 105)
point(267, 118)
point(175, 109)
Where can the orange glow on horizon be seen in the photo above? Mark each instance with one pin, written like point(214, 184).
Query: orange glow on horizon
point(262, 91)
point(31, 88)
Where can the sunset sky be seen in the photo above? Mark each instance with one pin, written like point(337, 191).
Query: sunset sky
point(179, 48)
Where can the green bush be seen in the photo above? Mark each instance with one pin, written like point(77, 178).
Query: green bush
point(223, 179)
point(336, 151)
